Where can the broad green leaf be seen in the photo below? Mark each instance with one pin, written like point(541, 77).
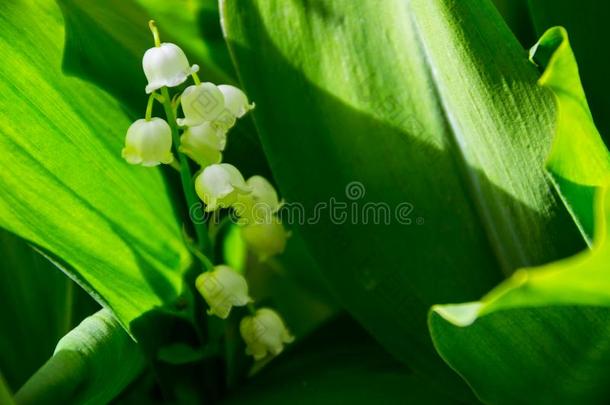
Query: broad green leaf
point(586, 22)
point(91, 364)
point(428, 103)
point(339, 363)
point(65, 187)
point(39, 306)
point(541, 336)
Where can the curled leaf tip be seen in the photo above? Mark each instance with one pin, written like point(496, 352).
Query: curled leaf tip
point(459, 314)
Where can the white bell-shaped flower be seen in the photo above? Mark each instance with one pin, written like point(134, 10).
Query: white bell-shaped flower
point(264, 333)
point(235, 106)
point(236, 100)
point(166, 65)
point(148, 142)
point(260, 204)
point(203, 143)
point(265, 239)
point(223, 288)
point(200, 103)
point(219, 185)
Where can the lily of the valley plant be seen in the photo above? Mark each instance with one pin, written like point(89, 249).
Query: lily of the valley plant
point(210, 111)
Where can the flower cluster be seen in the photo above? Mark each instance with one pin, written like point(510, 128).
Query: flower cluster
point(209, 112)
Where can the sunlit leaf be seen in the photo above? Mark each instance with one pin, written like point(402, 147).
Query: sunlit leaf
point(586, 23)
point(64, 185)
point(541, 336)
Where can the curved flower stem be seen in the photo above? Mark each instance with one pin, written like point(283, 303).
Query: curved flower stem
point(153, 28)
point(149, 106)
point(176, 103)
point(196, 78)
point(207, 263)
point(186, 176)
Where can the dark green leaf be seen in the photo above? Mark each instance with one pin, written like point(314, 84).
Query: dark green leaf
point(339, 363)
point(36, 309)
point(517, 16)
point(91, 364)
point(40, 305)
point(428, 103)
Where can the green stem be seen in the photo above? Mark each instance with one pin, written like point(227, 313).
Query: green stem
point(155, 32)
point(176, 103)
point(192, 201)
point(207, 263)
point(213, 228)
point(196, 78)
point(149, 106)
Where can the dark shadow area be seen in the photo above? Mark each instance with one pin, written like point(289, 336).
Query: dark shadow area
point(339, 363)
point(517, 16)
point(40, 305)
point(208, 22)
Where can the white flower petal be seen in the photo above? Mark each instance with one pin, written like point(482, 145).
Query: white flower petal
point(166, 65)
point(266, 239)
point(237, 180)
point(223, 289)
point(200, 103)
point(236, 100)
point(212, 185)
point(264, 333)
point(148, 142)
point(219, 185)
point(203, 143)
point(261, 204)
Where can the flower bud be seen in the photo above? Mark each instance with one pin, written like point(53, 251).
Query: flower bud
point(236, 100)
point(260, 204)
point(166, 65)
point(203, 144)
point(265, 239)
point(264, 333)
point(218, 185)
point(148, 142)
point(200, 103)
point(223, 289)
